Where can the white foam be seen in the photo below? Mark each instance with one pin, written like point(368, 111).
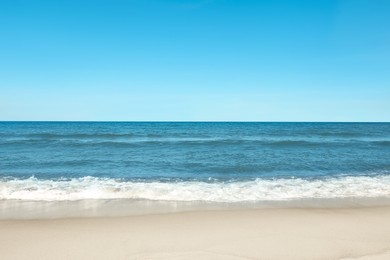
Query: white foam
point(257, 190)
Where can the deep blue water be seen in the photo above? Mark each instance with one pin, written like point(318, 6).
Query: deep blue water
point(202, 152)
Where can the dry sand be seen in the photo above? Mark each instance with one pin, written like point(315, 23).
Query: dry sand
point(355, 233)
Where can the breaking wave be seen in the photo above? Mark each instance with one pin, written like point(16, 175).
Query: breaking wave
point(244, 191)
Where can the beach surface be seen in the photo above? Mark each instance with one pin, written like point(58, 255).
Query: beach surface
point(353, 233)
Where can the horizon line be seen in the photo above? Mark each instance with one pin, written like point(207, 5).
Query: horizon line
point(179, 121)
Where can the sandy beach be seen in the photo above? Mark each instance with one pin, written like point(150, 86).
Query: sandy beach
point(354, 233)
point(194, 130)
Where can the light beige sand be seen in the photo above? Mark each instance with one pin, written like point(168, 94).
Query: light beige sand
point(360, 233)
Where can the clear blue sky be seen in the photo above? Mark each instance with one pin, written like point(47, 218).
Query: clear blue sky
point(315, 60)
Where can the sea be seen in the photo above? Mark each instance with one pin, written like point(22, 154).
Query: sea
point(210, 162)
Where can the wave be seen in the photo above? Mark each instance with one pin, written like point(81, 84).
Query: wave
point(78, 135)
point(245, 191)
point(338, 134)
point(173, 141)
point(382, 143)
point(102, 135)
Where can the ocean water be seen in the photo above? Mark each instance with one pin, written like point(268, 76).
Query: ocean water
point(210, 162)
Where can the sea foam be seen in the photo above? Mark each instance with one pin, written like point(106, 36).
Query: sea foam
point(33, 189)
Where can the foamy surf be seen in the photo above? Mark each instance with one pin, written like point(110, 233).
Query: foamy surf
point(33, 189)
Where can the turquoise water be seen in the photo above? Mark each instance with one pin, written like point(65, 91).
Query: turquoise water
point(193, 161)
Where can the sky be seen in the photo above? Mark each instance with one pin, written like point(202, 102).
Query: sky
point(195, 60)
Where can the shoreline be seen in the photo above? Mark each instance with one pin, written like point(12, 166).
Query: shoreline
point(104, 208)
point(332, 233)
